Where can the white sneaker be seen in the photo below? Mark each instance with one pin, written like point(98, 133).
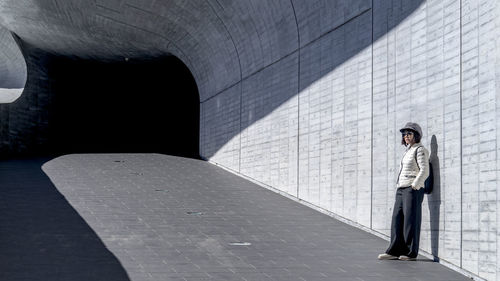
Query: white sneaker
point(406, 258)
point(387, 257)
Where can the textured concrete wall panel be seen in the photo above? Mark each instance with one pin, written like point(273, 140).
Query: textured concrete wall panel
point(220, 124)
point(269, 117)
point(479, 138)
point(262, 31)
point(334, 150)
point(496, 60)
point(383, 131)
point(470, 136)
point(450, 165)
point(317, 17)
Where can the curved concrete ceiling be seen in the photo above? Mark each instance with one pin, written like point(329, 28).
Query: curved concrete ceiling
point(221, 41)
point(12, 68)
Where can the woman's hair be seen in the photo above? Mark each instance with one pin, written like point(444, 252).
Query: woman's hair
point(416, 136)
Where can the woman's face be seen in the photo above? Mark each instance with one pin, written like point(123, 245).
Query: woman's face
point(409, 137)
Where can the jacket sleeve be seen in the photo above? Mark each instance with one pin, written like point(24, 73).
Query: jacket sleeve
point(423, 163)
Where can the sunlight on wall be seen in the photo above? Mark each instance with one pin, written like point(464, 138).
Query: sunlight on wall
point(10, 95)
point(13, 71)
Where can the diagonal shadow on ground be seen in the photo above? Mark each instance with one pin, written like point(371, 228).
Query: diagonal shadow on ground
point(174, 218)
point(41, 236)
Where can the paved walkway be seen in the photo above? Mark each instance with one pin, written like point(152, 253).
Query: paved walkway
point(156, 217)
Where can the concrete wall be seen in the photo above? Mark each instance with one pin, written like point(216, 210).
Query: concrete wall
point(308, 96)
point(322, 123)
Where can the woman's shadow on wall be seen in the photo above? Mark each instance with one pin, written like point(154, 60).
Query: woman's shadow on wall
point(434, 199)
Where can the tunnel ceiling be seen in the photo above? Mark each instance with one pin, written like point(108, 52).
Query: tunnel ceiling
point(221, 41)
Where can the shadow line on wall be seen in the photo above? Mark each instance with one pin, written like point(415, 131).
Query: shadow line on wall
point(301, 69)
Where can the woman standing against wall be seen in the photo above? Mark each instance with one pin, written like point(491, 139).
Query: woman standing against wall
point(407, 213)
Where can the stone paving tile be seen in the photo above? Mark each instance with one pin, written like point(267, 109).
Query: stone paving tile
point(156, 217)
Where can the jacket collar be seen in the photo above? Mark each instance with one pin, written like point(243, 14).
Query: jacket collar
point(415, 145)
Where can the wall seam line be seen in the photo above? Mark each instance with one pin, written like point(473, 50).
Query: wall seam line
point(287, 55)
point(241, 75)
point(461, 144)
point(371, 132)
point(478, 136)
point(298, 95)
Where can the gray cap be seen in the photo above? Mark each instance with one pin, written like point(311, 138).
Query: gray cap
point(412, 126)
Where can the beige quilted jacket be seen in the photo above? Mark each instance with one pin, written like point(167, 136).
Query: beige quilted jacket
point(409, 172)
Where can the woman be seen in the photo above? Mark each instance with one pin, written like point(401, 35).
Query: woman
point(407, 214)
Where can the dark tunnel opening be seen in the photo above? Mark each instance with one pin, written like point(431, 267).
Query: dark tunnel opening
point(129, 106)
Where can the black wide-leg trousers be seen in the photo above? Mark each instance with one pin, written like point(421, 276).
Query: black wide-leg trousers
point(406, 221)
